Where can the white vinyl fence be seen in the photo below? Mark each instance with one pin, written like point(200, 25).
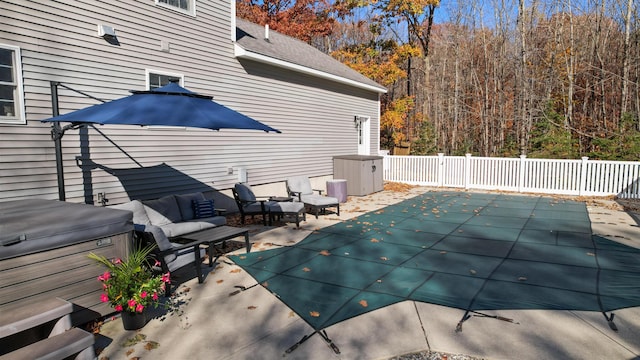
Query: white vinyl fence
point(568, 177)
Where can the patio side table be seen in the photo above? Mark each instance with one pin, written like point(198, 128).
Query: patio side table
point(337, 188)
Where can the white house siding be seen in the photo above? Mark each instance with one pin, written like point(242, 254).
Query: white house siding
point(59, 42)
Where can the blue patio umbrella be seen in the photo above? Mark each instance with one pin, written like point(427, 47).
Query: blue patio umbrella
point(170, 105)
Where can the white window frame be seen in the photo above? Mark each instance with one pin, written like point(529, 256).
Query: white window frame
point(18, 97)
point(191, 11)
point(149, 72)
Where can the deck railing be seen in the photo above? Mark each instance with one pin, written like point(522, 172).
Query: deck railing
point(567, 177)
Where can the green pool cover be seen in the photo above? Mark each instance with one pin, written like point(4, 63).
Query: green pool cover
point(468, 251)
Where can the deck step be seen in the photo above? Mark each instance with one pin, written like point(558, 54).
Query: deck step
point(70, 342)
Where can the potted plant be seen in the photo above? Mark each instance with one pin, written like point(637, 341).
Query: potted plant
point(130, 285)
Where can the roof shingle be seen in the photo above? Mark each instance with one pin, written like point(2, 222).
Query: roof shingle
point(251, 38)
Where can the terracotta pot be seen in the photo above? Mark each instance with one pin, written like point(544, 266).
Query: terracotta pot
point(133, 320)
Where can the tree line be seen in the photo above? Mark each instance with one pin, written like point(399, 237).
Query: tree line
point(545, 78)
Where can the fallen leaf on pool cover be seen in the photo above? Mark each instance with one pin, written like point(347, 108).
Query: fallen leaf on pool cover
point(242, 257)
point(306, 269)
point(374, 240)
point(363, 303)
point(325, 253)
point(384, 258)
point(314, 313)
point(265, 284)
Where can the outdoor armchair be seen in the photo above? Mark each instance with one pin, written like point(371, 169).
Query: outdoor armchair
point(299, 187)
point(248, 203)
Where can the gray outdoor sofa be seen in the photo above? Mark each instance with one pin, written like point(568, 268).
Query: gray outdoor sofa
point(170, 217)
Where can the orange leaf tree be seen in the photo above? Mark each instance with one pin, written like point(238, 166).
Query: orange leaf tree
point(301, 19)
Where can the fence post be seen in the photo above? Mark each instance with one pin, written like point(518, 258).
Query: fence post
point(440, 169)
point(467, 171)
point(521, 172)
point(583, 176)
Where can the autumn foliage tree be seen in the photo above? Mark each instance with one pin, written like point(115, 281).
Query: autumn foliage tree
point(383, 62)
point(301, 19)
point(548, 78)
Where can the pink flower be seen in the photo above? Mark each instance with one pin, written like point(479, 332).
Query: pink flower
point(157, 263)
point(165, 278)
point(117, 261)
point(118, 308)
point(155, 296)
point(139, 308)
point(104, 297)
point(104, 277)
point(143, 294)
point(131, 303)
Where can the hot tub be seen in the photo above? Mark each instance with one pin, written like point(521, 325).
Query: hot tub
point(43, 252)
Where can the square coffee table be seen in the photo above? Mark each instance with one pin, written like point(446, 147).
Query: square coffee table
point(217, 235)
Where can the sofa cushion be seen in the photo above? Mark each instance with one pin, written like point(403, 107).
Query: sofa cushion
point(214, 220)
point(139, 214)
point(185, 204)
point(163, 211)
point(182, 228)
point(203, 209)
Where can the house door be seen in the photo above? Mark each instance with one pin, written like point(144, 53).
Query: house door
point(363, 125)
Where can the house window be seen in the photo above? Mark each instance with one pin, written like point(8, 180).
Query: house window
point(156, 79)
point(184, 6)
point(11, 96)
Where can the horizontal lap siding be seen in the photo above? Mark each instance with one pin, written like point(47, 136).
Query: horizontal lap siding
point(59, 43)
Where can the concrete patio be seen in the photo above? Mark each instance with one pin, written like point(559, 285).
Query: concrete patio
point(210, 322)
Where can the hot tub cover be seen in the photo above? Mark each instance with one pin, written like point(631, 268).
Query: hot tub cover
point(35, 225)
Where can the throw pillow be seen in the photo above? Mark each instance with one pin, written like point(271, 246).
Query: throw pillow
point(203, 209)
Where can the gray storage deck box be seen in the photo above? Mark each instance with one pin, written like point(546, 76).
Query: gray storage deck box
point(43, 253)
point(362, 172)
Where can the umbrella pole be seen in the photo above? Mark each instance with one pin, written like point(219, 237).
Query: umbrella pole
point(56, 134)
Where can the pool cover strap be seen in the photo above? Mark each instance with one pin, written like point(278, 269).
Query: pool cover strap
point(324, 336)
